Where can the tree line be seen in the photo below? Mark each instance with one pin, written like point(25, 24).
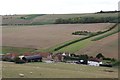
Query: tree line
point(87, 20)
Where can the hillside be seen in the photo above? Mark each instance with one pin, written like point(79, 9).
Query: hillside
point(33, 34)
point(38, 19)
point(45, 38)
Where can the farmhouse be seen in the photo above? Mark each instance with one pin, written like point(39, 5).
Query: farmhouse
point(57, 57)
point(45, 56)
point(94, 62)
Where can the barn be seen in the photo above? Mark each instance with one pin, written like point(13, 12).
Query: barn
point(32, 58)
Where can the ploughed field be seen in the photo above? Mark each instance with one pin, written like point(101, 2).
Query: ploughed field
point(56, 70)
point(45, 36)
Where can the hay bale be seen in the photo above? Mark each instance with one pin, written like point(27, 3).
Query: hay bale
point(21, 75)
point(31, 72)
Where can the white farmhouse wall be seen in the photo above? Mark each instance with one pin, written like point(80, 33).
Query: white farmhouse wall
point(93, 63)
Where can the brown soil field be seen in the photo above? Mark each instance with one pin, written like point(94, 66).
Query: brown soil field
point(44, 36)
point(107, 46)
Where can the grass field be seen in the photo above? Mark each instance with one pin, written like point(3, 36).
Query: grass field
point(56, 70)
point(76, 46)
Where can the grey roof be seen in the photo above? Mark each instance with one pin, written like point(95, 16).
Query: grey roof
point(33, 57)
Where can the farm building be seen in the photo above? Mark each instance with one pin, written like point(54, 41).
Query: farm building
point(94, 62)
point(57, 57)
point(66, 54)
point(32, 58)
point(44, 55)
point(9, 56)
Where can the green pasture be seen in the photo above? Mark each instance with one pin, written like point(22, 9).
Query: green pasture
point(56, 70)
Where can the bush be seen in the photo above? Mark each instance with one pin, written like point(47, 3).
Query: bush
point(116, 63)
point(77, 57)
point(83, 57)
point(81, 33)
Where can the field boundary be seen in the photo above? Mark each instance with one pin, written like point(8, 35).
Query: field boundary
point(72, 42)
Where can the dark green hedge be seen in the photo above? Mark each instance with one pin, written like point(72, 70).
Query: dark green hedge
point(88, 20)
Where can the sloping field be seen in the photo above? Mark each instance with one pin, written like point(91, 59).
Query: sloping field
point(45, 36)
point(56, 70)
point(107, 46)
point(107, 42)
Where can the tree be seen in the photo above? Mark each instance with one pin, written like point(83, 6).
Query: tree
point(83, 57)
point(99, 56)
point(101, 11)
